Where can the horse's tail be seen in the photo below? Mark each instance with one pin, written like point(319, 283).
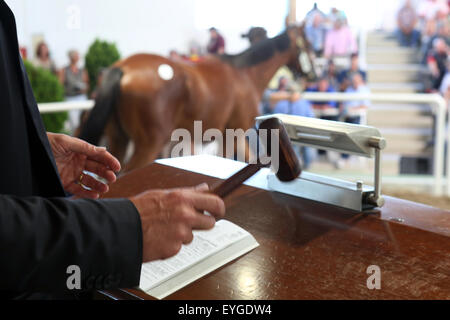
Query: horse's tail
point(105, 105)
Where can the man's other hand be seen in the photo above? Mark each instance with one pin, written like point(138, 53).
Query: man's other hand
point(73, 156)
point(169, 216)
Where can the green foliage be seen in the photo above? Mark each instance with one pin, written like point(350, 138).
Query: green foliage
point(46, 88)
point(101, 54)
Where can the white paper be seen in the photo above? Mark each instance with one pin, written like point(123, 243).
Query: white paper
point(205, 244)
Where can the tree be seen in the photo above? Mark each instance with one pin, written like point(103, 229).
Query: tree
point(47, 88)
point(101, 54)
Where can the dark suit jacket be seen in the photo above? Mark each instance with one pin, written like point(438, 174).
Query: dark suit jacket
point(42, 232)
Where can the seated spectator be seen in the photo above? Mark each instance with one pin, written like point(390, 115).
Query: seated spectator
point(445, 86)
point(323, 86)
point(332, 75)
point(357, 86)
point(334, 15)
point(42, 59)
point(344, 77)
point(216, 43)
point(428, 9)
point(437, 63)
point(437, 30)
point(407, 35)
point(315, 33)
point(340, 40)
point(288, 102)
point(428, 33)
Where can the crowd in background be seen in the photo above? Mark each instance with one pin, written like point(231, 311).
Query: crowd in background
point(329, 34)
point(427, 28)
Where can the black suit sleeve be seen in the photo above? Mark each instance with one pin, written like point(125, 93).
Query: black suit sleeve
point(40, 238)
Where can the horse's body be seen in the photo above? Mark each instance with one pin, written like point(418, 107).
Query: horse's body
point(222, 92)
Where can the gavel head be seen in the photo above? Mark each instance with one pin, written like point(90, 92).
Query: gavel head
point(289, 167)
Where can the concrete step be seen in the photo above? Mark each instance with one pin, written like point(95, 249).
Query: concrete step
point(398, 119)
point(395, 72)
point(390, 57)
point(392, 87)
point(382, 42)
point(377, 76)
point(380, 35)
point(390, 165)
point(406, 141)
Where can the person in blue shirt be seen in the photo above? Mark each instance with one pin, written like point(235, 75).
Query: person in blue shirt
point(344, 77)
point(288, 102)
point(323, 85)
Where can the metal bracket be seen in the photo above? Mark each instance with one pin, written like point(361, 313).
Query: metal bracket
point(359, 140)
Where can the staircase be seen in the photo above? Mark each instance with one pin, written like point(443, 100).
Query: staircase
point(406, 127)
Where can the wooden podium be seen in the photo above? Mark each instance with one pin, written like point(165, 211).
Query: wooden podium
point(308, 250)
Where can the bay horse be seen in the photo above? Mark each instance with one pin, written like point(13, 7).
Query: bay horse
point(138, 102)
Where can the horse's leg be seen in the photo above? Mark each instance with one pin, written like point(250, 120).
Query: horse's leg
point(146, 150)
point(243, 118)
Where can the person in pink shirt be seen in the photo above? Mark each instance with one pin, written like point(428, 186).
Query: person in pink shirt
point(340, 41)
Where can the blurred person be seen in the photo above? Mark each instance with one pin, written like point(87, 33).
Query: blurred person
point(255, 34)
point(332, 74)
point(175, 56)
point(340, 40)
point(23, 52)
point(437, 63)
point(344, 77)
point(429, 9)
point(315, 11)
point(444, 89)
point(426, 39)
point(194, 54)
point(76, 85)
point(42, 58)
point(348, 108)
point(315, 33)
point(74, 78)
point(286, 101)
point(439, 29)
point(407, 35)
point(333, 16)
point(357, 86)
point(323, 85)
point(216, 43)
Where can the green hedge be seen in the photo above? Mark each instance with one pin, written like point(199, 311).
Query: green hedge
point(100, 55)
point(47, 88)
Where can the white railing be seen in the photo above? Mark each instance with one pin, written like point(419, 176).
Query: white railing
point(437, 102)
point(65, 106)
point(439, 106)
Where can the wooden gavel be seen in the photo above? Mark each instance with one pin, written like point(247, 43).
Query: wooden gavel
point(289, 166)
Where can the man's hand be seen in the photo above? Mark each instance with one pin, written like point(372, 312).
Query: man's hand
point(73, 156)
point(169, 216)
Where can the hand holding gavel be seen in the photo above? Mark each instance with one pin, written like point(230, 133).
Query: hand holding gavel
point(289, 166)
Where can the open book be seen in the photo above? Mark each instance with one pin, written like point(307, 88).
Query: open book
point(208, 251)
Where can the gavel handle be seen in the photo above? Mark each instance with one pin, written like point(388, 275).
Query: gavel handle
point(236, 180)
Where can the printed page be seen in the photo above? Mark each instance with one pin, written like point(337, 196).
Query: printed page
point(205, 244)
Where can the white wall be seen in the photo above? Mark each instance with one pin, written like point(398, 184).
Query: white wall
point(154, 26)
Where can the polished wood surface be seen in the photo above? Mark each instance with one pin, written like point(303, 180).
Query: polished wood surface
point(310, 250)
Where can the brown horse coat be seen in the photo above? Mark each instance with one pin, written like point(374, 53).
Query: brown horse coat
point(222, 91)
